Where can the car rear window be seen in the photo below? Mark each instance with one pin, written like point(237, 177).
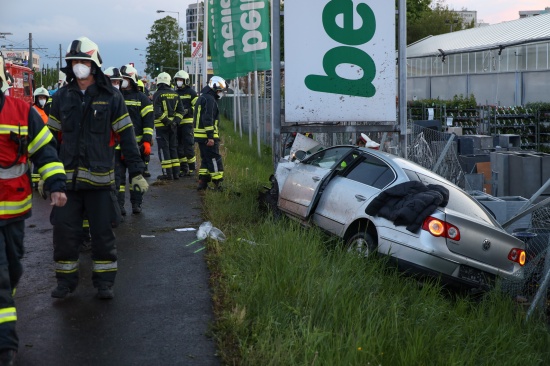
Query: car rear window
point(459, 200)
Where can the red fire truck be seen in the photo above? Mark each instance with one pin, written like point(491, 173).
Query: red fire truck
point(21, 80)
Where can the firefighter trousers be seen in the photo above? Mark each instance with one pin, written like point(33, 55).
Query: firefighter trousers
point(168, 146)
point(11, 252)
point(101, 208)
point(186, 147)
point(211, 168)
point(121, 177)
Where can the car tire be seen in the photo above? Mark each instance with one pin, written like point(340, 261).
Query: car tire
point(363, 244)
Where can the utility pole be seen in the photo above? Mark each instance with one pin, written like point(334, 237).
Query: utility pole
point(30, 51)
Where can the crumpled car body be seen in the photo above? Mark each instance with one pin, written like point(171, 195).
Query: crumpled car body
point(333, 187)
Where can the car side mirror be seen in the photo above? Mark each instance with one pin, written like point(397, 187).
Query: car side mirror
point(300, 155)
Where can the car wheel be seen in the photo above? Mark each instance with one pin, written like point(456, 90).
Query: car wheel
point(362, 244)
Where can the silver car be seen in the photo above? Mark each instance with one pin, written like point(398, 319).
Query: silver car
point(461, 242)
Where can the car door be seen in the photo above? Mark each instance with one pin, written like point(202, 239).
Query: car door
point(346, 195)
point(305, 180)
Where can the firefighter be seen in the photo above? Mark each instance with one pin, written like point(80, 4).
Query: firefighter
point(140, 109)
point(143, 89)
point(207, 135)
point(169, 112)
point(41, 96)
point(113, 73)
point(25, 137)
point(91, 115)
point(186, 142)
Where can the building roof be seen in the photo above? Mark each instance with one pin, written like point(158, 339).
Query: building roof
point(496, 36)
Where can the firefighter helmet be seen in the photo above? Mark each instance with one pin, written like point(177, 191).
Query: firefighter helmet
point(83, 49)
point(164, 78)
point(183, 75)
point(3, 77)
point(41, 91)
point(113, 73)
point(62, 77)
point(141, 86)
point(128, 71)
point(217, 84)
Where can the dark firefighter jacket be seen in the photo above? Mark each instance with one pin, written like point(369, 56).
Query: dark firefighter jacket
point(91, 125)
point(206, 116)
point(140, 109)
point(167, 106)
point(24, 136)
point(188, 96)
point(408, 203)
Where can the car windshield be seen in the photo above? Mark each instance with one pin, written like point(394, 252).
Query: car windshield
point(459, 200)
point(328, 158)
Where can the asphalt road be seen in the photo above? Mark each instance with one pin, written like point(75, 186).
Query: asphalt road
point(162, 308)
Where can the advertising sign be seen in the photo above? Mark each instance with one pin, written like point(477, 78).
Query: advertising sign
point(340, 61)
point(239, 36)
point(196, 49)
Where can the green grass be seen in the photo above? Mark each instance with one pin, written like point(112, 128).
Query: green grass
point(288, 295)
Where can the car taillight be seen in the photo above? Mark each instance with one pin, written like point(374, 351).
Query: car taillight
point(442, 228)
point(517, 255)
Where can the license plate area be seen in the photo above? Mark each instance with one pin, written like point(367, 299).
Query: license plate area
point(475, 275)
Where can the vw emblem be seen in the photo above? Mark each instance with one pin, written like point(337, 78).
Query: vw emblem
point(486, 245)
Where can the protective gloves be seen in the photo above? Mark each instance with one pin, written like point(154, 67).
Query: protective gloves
point(146, 148)
point(139, 184)
point(41, 190)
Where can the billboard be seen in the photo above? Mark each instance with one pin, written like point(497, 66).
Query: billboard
point(340, 61)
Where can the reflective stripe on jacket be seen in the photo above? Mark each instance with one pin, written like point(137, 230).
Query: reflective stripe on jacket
point(23, 135)
point(206, 116)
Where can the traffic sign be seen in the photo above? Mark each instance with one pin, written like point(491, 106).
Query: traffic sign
point(196, 49)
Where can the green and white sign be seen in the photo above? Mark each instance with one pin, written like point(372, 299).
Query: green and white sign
point(340, 61)
point(239, 36)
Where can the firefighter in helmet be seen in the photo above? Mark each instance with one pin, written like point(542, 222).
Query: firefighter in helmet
point(26, 138)
point(113, 73)
point(169, 112)
point(205, 121)
point(186, 141)
point(90, 114)
point(41, 96)
point(140, 109)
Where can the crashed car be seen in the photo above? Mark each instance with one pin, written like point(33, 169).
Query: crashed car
point(379, 203)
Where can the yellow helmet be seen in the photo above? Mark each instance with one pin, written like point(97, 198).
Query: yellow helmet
point(141, 86)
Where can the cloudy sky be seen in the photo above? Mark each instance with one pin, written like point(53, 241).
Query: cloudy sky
point(120, 26)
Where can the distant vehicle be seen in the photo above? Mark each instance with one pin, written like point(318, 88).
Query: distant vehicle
point(21, 80)
point(333, 188)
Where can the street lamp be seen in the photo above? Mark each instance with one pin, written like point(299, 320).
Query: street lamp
point(454, 21)
point(180, 47)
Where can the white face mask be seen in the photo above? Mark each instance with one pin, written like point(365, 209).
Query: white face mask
point(116, 86)
point(124, 84)
point(42, 102)
point(81, 71)
point(179, 83)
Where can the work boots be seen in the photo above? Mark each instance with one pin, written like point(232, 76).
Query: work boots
point(203, 185)
point(136, 208)
point(105, 292)
point(184, 170)
point(61, 292)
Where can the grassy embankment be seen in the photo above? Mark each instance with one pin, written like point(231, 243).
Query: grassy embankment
point(295, 298)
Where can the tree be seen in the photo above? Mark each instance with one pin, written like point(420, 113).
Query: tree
point(163, 45)
point(437, 19)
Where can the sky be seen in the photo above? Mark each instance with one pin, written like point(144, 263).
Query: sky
point(116, 26)
point(121, 26)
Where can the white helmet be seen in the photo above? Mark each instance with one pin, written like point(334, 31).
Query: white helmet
point(41, 91)
point(183, 75)
point(113, 73)
point(217, 84)
point(128, 71)
point(164, 78)
point(62, 77)
point(3, 77)
point(83, 49)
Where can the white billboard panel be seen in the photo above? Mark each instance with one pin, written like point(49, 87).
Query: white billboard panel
point(340, 61)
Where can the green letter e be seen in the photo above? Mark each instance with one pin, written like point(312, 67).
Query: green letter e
point(334, 84)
